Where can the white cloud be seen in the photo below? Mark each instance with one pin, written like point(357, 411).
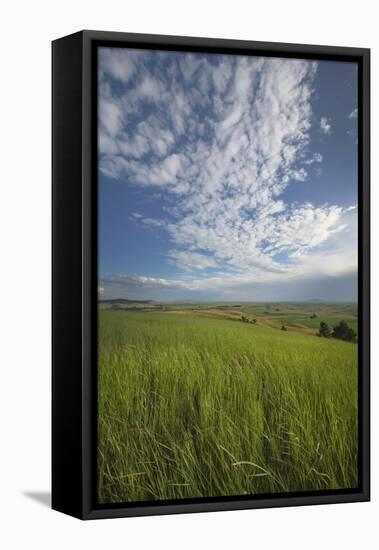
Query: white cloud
point(225, 139)
point(153, 222)
point(333, 263)
point(150, 88)
point(190, 261)
point(119, 63)
point(135, 147)
point(221, 76)
point(110, 116)
point(132, 283)
point(154, 281)
point(353, 114)
point(325, 125)
point(317, 157)
point(113, 165)
point(107, 145)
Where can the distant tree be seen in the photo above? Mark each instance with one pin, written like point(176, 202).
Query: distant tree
point(313, 316)
point(343, 332)
point(283, 328)
point(245, 319)
point(324, 330)
point(277, 309)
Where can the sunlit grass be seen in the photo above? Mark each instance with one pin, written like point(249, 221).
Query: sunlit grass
point(196, 407)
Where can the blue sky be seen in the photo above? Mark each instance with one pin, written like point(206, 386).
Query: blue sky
point(226, 177)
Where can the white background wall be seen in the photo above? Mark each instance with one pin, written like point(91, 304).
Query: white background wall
point(26, 31)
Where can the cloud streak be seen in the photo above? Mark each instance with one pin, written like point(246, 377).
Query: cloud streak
point(325, 126)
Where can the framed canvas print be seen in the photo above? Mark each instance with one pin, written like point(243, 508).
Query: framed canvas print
point(210, 275)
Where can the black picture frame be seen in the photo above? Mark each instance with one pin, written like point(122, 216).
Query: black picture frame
point(74, 272)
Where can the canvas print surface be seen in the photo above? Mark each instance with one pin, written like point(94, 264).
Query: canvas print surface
point(227, 275)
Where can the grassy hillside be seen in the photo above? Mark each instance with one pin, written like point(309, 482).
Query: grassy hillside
point(195, 406)
point(299, 316)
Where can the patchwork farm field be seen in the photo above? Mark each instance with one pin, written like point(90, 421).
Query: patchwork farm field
point(207, 400)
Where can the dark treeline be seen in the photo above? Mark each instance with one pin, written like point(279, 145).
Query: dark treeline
point(342, 331)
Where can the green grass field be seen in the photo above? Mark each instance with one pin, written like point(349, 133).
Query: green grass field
point(198, 405)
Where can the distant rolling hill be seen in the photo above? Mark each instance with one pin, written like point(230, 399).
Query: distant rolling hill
point(125, 301)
